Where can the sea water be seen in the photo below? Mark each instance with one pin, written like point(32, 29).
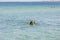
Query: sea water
point(15, 18)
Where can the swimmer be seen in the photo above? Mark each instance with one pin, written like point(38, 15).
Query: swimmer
point(32, 22)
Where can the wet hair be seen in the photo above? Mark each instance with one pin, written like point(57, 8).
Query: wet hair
point(32, 22)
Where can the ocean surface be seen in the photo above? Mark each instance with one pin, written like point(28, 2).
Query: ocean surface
point(15, 18)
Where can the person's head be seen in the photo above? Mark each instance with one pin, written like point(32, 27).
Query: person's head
point(32, 22)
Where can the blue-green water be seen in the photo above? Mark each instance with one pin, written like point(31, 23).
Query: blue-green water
point(14, 21)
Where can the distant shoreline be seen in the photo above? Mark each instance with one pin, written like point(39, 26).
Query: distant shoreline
point(31, 1)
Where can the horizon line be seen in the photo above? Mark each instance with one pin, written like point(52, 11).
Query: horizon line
point(29, 1)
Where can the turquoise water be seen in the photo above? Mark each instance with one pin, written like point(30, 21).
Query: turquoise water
point(14, 22)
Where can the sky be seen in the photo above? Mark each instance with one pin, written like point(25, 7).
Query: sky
point(26, 0)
